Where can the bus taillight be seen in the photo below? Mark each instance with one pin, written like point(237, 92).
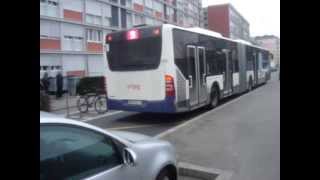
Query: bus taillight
point(109, 38)
point(133, 34)
point(170, 91)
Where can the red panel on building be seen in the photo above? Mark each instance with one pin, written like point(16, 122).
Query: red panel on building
point(72, 15)
point(50, 44)
point(94, 47)
point(218, 19)
point(76, 73)
point(138, 7)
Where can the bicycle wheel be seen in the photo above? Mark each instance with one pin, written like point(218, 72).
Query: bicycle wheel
point(100, 104)
point(82, 104)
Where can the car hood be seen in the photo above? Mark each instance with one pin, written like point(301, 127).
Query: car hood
point(130, 136)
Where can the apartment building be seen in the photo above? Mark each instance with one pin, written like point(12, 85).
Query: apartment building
point(72, 31)
point(272, 43)
point(225, 19)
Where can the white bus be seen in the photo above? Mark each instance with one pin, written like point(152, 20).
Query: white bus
point(169, 69)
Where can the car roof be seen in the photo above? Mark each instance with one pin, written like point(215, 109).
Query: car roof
point(48, 118)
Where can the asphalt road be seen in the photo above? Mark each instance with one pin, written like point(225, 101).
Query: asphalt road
point(242, 138)
point(152, 123)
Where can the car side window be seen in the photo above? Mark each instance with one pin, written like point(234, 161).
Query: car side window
point(72, 153)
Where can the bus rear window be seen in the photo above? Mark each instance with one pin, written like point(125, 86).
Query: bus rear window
point(138, 54)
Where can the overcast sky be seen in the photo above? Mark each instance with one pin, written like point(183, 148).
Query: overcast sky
point(263, 15)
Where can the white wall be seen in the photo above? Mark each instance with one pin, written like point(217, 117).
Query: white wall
point(74, 5)
point(50, 60)
point(74, 62)
point(93, 7)
point(96, 65)
point(74, 31)
point(49, 28)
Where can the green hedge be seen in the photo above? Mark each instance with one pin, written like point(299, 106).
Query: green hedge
point(91, 85)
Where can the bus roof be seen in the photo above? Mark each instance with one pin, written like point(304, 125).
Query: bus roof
point(213, 34)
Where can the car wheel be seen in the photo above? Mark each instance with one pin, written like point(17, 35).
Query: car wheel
point(165, 175)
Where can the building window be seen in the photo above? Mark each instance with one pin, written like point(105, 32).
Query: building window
point(49, 8)
point(114, 16)
point(73, 43)
point(129, 20)
point(123, 2)
point(138, 19)
point(138, 1)
point(106, 11)
point(148, 3)
point(94, 35)
point(149, 21)
point(123, 18)
point(129, 4)
point(114, 1)
point(49, 30)
point(148, 11)
point(158, 6)
point(93, 19)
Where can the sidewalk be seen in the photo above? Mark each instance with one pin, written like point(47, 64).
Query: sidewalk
point(59, 107)
point(61, 103)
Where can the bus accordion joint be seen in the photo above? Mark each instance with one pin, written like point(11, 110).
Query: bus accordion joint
point(170, 90)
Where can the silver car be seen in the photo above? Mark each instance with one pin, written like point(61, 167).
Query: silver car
point(74, 150)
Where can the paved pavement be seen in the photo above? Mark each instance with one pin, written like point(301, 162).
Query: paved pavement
point(242, 138)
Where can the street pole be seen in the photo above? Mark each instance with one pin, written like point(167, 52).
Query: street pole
point(67, 101)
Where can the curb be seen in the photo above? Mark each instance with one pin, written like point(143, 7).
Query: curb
point(203, 173)
point(92, 118)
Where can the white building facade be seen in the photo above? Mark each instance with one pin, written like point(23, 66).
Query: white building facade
point(72, 31)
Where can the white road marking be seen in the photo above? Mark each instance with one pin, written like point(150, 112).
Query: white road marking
point(164, 133)
point(103, 115)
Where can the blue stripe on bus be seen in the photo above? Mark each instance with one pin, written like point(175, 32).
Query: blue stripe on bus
point(164, 106)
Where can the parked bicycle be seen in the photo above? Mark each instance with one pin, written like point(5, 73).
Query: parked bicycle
point(89, 100)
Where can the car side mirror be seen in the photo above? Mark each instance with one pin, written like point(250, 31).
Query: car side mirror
point(129, 157)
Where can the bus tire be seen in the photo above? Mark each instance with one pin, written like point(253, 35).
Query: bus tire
point(214, 97)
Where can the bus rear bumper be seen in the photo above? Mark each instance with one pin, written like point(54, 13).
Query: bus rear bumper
point(165, 106)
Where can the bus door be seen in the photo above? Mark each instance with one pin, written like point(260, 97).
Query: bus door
point(228, 84)
point(202, 84)
point(192, 75)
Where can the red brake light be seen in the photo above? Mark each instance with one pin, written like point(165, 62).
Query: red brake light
point(156, 31)
point(170, 90)
point(109, 38)
point(133, 34)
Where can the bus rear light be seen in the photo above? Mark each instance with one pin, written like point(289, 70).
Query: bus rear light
point(133, 34)
point(170, 90)
point(156, 31)
point(109, 38)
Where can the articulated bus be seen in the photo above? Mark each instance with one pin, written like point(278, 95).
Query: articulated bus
point(170, 69)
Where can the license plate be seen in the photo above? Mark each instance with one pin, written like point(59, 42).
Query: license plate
point(135, 102)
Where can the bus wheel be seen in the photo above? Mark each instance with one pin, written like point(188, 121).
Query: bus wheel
point(214, 98)
point(250, 85)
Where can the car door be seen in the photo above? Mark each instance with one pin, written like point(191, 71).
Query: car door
point(72, 153)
